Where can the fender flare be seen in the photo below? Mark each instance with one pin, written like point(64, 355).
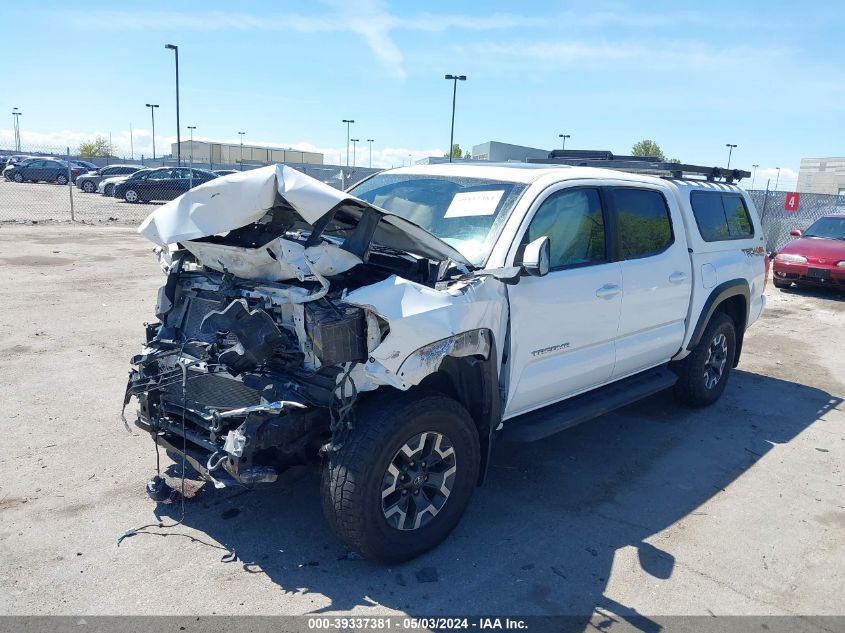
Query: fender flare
point(725, 290)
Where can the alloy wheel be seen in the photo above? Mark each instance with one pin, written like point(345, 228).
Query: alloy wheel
point(714, 364)
point(418, 481)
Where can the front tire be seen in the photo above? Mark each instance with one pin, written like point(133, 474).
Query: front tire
point(781, 284)
point(130, 195)
point(17, 177)
point(89, 187)
point(403, 476)
point(703, 375)
point(108, 190)
point(61, 179)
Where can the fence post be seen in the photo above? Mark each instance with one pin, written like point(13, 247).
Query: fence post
point(69, 183)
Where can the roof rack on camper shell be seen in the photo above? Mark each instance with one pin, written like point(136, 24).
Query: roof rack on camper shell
point(653, 165)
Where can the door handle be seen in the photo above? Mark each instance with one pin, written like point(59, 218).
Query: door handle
point(677, 278)
point(608, 291)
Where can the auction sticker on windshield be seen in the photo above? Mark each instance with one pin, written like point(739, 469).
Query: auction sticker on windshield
point(467, 203)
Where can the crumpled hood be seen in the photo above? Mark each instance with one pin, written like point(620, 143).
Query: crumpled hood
point(236, 200)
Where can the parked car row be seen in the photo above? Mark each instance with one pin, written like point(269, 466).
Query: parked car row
point(132, 183)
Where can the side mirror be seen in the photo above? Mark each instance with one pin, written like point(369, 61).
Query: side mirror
point(536, 258)
point(795, 232)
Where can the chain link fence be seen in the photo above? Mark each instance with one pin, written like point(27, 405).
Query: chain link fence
point(50, 183)
point(778, 218)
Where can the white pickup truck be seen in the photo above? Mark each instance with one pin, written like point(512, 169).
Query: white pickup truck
point(398, 329)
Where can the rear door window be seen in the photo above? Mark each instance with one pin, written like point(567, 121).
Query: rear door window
point(721, 216)
point(643, 224)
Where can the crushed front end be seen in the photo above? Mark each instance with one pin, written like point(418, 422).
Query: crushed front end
point(258, 354)
point(240, 377)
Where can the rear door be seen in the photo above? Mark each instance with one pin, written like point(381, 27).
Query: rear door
point(34, 170)
point(656, 277)
point(563, 325)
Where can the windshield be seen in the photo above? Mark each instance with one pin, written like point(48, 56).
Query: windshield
point(466, 213)
point(832, 228)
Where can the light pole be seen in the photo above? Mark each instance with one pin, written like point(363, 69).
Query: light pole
point(730, 147)
point(131, 143)
point(753, 174)
point(17, 126)
point(152, 107)
point(370, 141)
point(563, 142)
point(175, 49)
point(777, 179)
point(348, 123)
point(242, 149)
point(454, 79)
point(354, 160)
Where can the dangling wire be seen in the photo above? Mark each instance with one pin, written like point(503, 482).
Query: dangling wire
point(161, 524)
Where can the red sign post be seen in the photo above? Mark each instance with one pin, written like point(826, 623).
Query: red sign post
point(791, 202)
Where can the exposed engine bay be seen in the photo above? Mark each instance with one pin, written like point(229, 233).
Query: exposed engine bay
point(284, 301)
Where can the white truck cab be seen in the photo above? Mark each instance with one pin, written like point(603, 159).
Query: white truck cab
point(400, 328)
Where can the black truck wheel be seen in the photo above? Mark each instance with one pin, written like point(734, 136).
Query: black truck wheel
point(703, 375)
point(403, 476)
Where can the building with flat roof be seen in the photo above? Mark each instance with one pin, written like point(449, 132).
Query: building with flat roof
point(822, 175)
point(497, 152)
point(217, 154)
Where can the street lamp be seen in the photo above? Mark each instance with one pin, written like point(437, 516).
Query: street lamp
point(563, 143)
point(753, 174)
point(348, 123)
point(454, 79)
point(730, 147)
point(777, 179)
point(175, 49)
point(152, 107)
point(17, 127)
point(354, 161)
point(370, 141)
point(242, 149)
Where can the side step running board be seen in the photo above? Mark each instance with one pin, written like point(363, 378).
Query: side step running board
point(559, 416)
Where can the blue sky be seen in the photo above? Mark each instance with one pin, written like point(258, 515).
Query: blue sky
point(769, 76)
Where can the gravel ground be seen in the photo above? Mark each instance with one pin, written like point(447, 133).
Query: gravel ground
point(42, 201)
point(736, 509)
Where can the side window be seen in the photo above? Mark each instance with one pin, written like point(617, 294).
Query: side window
point(721, 216)
point(573, 221)
point(182, 173)
point(642, 222)
point(108, 171)
point(162, 174)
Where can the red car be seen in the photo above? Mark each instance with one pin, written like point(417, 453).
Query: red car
point(817, 258)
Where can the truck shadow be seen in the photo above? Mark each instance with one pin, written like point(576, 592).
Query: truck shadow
point(542, 535)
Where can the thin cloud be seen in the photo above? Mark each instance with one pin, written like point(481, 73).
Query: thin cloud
point(368, 19)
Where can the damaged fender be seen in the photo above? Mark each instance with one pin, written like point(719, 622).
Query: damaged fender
point(417, 315)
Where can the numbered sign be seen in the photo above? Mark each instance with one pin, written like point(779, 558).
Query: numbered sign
point(791, 202)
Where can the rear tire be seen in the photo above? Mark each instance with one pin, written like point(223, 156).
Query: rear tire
point(403, 476)
point(703, 375)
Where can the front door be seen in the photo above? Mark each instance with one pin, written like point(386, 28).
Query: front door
point(563, 324)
